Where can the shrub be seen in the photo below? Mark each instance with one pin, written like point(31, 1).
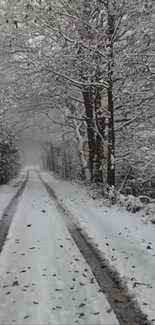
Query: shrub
point(9, 157)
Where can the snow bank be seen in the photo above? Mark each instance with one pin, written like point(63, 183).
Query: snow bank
point(7, 192)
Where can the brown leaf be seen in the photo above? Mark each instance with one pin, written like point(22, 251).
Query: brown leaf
point(26, 286)
point(58, 289)
point(15, 283)
point(81, 315)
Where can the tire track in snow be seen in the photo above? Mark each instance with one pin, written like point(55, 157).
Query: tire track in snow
point(8, 213)
point(126, 309)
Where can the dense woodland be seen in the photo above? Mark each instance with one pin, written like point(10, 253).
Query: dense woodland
point(79, 76)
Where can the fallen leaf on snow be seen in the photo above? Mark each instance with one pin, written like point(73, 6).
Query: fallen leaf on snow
point(82, 284)
point(58, 289)
point(81, 315)
point(15, 283)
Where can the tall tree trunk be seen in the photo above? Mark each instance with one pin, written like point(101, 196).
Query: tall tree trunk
point(111, 130)
point(80, 141)
point(100, 134)
point(90, 128)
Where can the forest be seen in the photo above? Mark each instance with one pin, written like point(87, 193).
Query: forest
point(78, 77)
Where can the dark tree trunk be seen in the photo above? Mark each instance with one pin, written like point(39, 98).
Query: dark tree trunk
point(99, 148)
point(111, 130)
point(90, 128)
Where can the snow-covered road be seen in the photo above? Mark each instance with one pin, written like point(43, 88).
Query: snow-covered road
point(43, 277)
point(124, 239)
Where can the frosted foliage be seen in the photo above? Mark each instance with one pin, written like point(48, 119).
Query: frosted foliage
point(8, 154)
point(67, 54)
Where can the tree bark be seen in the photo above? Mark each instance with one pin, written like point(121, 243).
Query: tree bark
point(90, 128)
point(100, 135)
point(111, 130)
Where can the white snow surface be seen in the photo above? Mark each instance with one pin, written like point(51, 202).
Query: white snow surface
point(43, 277)
point(125, 239)
point(7, 192)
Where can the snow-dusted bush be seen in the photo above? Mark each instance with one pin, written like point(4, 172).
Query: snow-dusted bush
point(9, 158)
point(129, 202)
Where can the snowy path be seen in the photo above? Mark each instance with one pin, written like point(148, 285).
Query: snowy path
point(122, 238)
point(43, 276)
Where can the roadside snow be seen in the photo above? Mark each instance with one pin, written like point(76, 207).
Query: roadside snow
point(7, 192)
point(122, 237)
point(43, 276)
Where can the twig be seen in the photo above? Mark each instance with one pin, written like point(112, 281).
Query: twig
point(125, 179)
